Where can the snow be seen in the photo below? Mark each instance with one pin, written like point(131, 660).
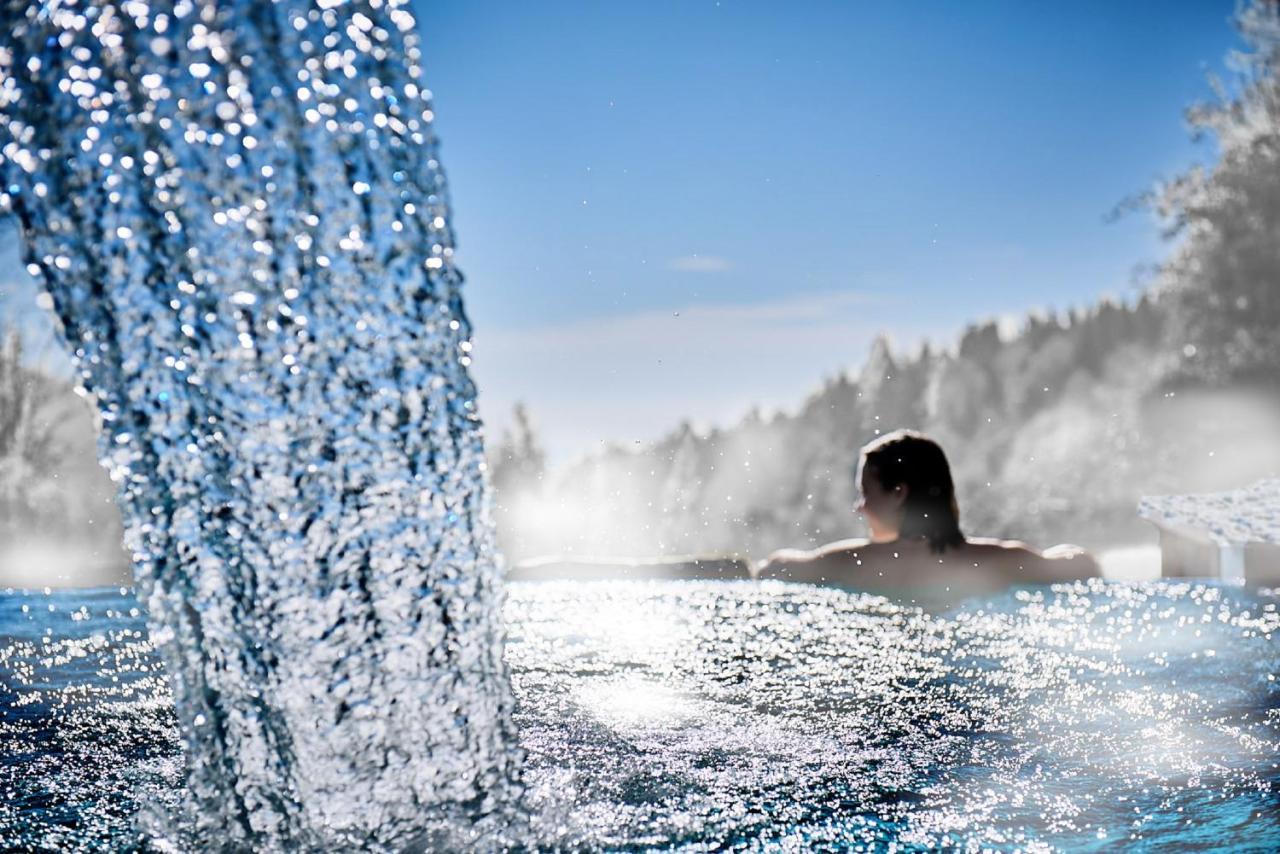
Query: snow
point(1247, 515)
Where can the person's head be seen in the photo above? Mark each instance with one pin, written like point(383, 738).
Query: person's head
point(907, 491)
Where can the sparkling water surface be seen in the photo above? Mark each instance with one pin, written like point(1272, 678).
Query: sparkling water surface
point(712, 715)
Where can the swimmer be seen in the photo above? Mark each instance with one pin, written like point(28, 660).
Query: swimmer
point(915, 544)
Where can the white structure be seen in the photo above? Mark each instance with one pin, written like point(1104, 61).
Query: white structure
point(1232, 535)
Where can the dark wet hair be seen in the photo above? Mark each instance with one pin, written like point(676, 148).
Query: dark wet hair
point(913, 460)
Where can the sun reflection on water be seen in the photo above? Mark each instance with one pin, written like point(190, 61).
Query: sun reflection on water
point(635, 702)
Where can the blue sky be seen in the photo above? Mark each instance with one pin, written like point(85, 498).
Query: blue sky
point(790, 178)
point(680, 209)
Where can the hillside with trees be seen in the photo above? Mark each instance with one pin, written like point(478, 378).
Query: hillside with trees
point(1048, 433)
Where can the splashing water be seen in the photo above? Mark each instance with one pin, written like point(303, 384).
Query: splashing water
point(238, 213)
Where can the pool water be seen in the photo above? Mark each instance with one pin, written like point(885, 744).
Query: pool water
point(737, 715)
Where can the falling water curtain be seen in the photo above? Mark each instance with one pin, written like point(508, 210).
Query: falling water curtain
point(238, 212)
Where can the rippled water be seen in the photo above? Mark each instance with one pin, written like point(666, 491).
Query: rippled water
point(742, 715)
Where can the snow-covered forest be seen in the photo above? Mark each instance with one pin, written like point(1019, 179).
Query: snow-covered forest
point(1054, 435)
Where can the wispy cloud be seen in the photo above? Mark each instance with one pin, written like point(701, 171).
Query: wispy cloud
point(637, 375)
point(700, 264)
point(769, 321)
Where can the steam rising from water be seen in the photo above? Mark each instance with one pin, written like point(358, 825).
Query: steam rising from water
point(241, 221)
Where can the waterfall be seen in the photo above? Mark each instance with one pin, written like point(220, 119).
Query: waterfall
point(238, 213)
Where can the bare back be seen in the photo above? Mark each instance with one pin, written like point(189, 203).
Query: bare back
point(906, 568)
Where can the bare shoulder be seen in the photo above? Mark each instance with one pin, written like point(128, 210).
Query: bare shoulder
point(1058, 563)
point(842, 548)
point(783, 564)
point(812, 565)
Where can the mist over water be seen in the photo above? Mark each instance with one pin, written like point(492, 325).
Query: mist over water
point(241, 222)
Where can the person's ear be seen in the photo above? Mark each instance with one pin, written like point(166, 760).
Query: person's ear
point(899, 495)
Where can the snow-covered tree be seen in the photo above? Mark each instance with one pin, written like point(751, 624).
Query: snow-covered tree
point(1226, 267)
